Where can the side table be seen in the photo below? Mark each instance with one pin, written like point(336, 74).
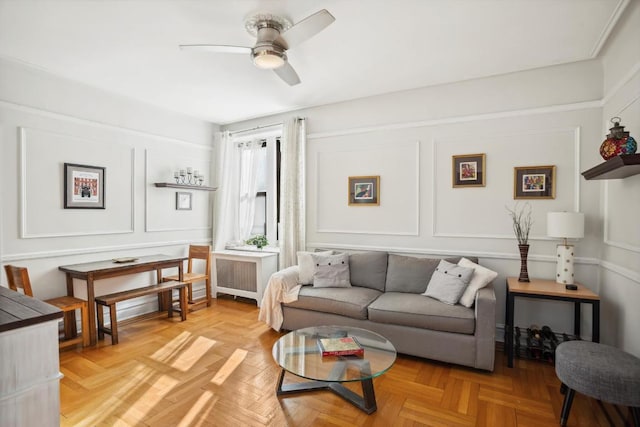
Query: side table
point(550, 290)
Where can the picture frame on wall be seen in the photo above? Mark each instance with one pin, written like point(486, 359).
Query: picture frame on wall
point(534, 182)
point(364, 190)
point(84, 186)
point(183, 201)
point(468, 170)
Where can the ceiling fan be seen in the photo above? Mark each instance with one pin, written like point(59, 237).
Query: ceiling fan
point(275, 35)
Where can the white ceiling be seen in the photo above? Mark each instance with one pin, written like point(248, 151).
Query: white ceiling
point(374, 47)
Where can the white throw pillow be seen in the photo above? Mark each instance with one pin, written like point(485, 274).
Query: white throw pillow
point(307, 267)
point(332, 271)
point(482, 276)
point(448, 282)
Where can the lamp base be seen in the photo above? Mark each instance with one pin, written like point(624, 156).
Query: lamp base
point(564, 268)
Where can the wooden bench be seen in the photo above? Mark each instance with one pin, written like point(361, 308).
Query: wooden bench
point(110, 301)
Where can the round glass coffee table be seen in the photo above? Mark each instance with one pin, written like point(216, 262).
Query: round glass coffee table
point(298, 353)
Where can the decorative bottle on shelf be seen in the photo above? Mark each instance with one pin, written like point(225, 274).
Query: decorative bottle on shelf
point(524, 275)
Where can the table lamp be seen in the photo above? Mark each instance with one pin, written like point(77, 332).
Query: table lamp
point(565, 225)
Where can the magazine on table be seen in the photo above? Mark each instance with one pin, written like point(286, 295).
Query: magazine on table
point(343, 346)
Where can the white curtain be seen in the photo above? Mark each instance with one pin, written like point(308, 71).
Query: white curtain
point(235, 199)
point(292, 236)
point(225, 213)
point(248, 187)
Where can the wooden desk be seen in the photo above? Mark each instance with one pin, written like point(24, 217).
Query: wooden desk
point(549, 289)
point(93, 271)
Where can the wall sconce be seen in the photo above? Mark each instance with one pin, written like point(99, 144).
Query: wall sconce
point(565, 225)
point(618, 141)
point(188, 177)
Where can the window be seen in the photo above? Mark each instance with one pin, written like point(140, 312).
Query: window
point(267, 207)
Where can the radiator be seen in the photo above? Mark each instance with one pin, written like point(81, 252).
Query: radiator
point(240, 275)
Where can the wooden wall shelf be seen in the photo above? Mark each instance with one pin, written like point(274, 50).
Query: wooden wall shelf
point(617, 167)
point(184, 186)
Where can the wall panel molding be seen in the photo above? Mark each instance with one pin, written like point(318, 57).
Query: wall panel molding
point(622, 271)
point(606, 31)
point(99, 249)
point(96, 124)
point(434, 180)
point(23, 205)
point(447, 252)
point(415, 231)
point(587, 105)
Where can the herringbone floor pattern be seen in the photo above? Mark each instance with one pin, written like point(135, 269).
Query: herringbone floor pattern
point(216, 369)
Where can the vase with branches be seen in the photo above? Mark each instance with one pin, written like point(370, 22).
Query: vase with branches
point(522, 222)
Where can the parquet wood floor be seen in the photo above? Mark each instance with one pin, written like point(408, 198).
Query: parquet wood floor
point(216, 369)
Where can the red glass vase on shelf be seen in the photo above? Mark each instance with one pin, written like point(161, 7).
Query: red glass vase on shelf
point(618, 141)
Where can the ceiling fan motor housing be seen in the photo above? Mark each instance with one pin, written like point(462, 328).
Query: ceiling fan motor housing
point(267, 53)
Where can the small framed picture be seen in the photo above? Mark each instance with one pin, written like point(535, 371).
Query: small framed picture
point(468, 170)
point(364, 190)
point(534, 182)
point(83, 186)
point(183, 201)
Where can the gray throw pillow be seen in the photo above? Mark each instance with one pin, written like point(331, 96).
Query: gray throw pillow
point(368, 269)
point(449, 282)
point(409, 274)
point(332, 271)
point(306, 266)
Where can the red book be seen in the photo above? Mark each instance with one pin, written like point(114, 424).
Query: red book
point(344, 346)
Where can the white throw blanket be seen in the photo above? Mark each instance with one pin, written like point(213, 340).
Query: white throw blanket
point(282, 287)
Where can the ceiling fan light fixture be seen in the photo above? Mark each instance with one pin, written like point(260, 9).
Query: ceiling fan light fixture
point(268, 59)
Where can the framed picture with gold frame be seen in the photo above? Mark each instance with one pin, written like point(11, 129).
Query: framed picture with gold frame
point(534, 182)
point(468, 170)
point(364, 190)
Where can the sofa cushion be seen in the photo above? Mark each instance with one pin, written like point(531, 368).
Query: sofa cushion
point(418, 311)
point(449, 282)
point(307, 267)
point(332, 271)
point(409, 274)
point(368, 269)
point(350, 302)
point(482, 276)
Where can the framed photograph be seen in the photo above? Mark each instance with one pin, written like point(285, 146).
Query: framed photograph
point(534, 182)
point(183, 201)
point(364, 190)
point(468, 170)
point(83, 186)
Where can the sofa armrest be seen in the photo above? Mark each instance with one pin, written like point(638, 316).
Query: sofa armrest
point(485, 313)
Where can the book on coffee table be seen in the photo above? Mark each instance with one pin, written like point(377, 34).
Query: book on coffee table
point(344, 346)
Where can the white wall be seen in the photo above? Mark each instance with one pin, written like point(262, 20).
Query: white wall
point(620, 272)
point(550, 116)
point(46, 121)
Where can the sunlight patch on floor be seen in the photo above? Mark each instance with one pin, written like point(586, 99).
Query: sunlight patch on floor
point(200, 409)
point(167, 351)
point(192, 353)
point(157, 390)
point(230, 365)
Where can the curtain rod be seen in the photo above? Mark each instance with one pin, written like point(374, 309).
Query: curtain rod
point(260, 127)
point(255, 128)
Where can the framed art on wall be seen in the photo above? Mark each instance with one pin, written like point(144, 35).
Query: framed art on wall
point(183, 201)
point(468, 170)
point(534, 182)
point(364, 190)
point(83, 186)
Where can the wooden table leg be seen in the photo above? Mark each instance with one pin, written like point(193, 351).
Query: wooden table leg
point(91, 311)
point(70, 330)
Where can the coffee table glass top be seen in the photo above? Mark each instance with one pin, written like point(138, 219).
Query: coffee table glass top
point(298, 353)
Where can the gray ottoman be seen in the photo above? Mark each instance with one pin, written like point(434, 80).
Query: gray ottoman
point(599, 371)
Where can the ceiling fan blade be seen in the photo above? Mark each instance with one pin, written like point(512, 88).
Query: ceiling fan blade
point(307, 28)
point(288, 74)
point(217, 48)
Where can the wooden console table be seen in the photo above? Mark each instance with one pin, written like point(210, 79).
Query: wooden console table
point(550, 290)
point(92, 271)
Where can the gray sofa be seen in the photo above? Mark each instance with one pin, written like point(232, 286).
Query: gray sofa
point(385, 298)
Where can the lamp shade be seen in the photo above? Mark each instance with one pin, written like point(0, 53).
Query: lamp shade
point(565, 225)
